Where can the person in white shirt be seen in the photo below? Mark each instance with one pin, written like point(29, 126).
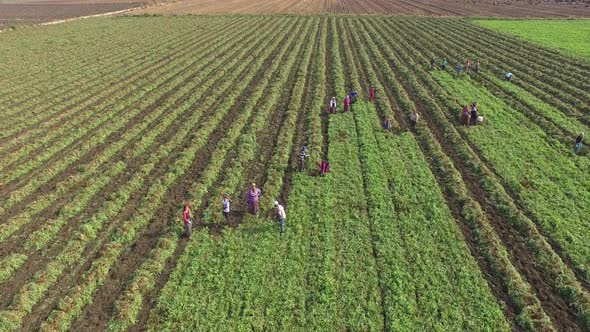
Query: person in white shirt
point(226, 202)
point(332, 108)
point(281, 216)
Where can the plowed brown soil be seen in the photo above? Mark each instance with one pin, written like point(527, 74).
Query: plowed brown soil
point(505, 8)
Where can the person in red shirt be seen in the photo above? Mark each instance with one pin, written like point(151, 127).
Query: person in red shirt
point(188, 223)
point(372, 93)
point(347, 104)
point(465, 115)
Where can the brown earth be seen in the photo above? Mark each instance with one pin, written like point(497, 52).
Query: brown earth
point(29, 12)
point(503, 8)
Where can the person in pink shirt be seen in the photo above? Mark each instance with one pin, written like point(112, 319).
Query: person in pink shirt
point(372, 93)
point(347, 103)
point(253, 199)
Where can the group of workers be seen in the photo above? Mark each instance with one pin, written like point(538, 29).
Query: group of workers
point(460, 67)
point(253, 200)
point(471, 116)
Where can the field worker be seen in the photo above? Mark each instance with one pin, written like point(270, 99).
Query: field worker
point(332, 108)
point(253, 199)
point(467, 65)
point(188, 223)
point(433, 63)
point(578, 145)
point(226, 201)
point(459, 69)
point(324, 167)
point(474, 115)
point(302, 155)
point(387, 124)
point(443, 64)
point(466, 115)
point(477, 66)
point(371, 93)
point(347, 104)
point(281, 216)
point(508, 76)
point(414, 120)
point(353, 95)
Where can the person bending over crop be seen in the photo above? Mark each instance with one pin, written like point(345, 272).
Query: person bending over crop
point(324, 167)
point(414, 120)
point(281, 216)
point(353, 94)
point(508, 76)
point(578, 143)
point(253, 199)
point(188, 222)
point(387, 124)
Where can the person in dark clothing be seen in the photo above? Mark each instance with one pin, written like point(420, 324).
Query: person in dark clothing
point(578, 143)
point(353, 94)
point(387, 124)
point(473, 116)
point(187, 218)
point(433, 63)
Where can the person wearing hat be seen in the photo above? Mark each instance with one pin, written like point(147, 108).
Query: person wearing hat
point(281, 216)
point(332, 108)
point(226, 202)
point(578, 145)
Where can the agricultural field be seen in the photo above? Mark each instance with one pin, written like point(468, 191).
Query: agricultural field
point(109, 125)
point(570, 36)
point(470, 8)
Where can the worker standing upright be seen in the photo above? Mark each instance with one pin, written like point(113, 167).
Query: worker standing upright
point(372, 93)
point(187, 218)
point(281, 216)
point(347, 104)
point(414, 120)
point(332, 108)
point(578, 143)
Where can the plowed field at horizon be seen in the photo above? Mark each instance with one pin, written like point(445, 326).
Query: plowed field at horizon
point(109, 125)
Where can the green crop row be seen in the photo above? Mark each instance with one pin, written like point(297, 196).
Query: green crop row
point(71, 306)
point(90, 170)
point(566, 283)
point(529, 307)
point(129, 314)
point(32, 292)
